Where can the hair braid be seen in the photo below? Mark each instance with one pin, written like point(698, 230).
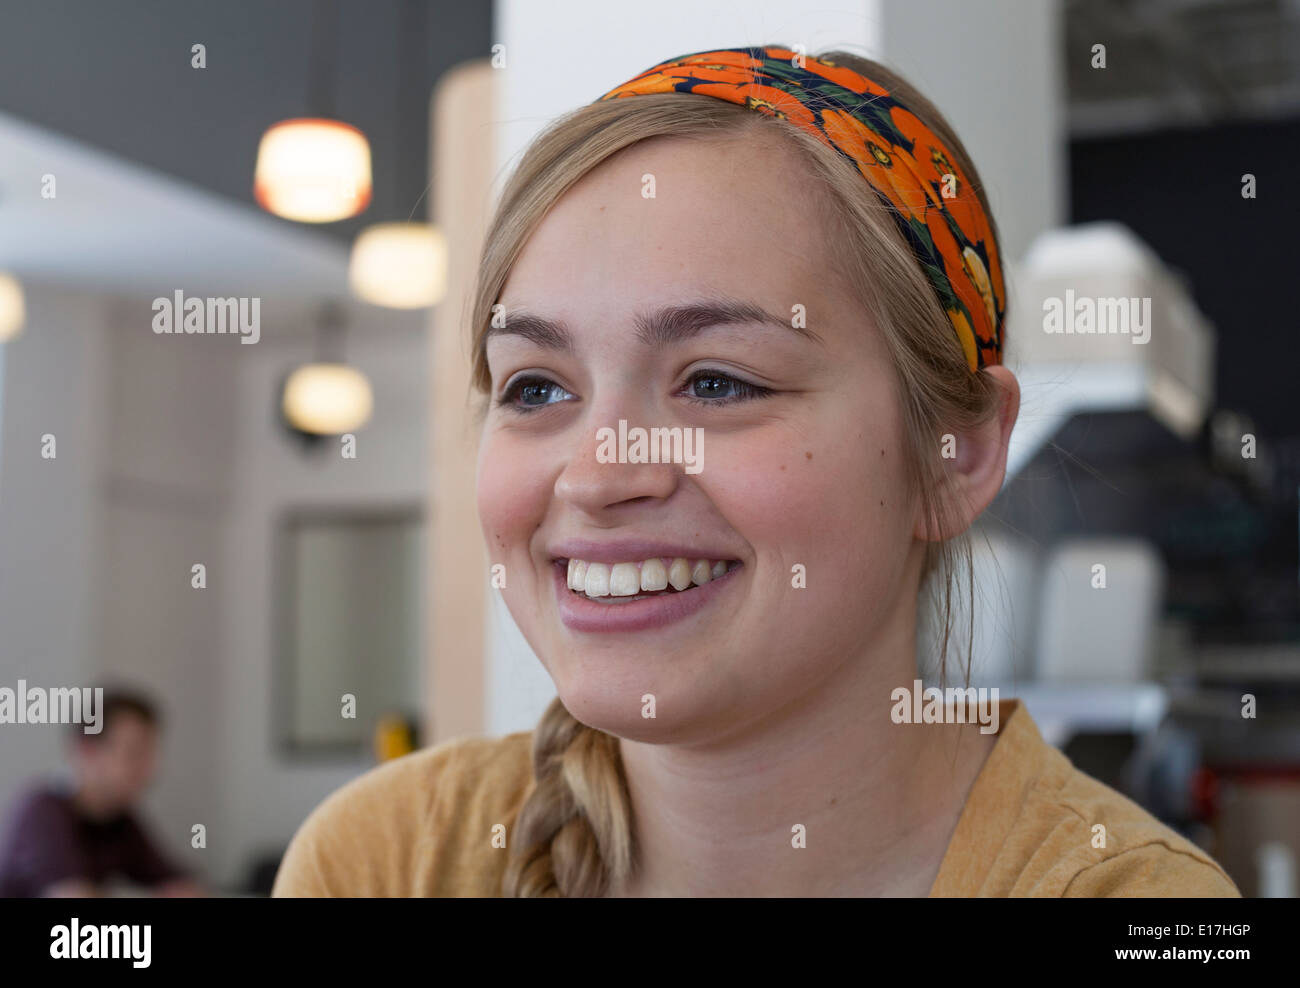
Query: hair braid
point(573, 835)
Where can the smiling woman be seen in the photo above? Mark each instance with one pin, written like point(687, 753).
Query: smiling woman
point(794, 256)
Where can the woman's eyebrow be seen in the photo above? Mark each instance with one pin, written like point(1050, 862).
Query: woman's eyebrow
point(659, 328)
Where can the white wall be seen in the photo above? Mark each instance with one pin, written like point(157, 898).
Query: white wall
point(556, 61)
point(994, 69)
point(96, 545)
point(55, 381)
point(164, 494)
point(265, 798)
point(169, 454)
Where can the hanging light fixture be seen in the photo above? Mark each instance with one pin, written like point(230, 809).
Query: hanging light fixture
point(327, 397)
point(315, 169)
point(401, 265)
point(13, 312)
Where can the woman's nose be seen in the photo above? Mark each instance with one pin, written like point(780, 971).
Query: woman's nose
point(604, 468)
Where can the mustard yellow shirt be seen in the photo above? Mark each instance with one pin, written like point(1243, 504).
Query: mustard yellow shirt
point(422, 825)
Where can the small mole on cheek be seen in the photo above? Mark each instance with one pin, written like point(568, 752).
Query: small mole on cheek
point(882, 452)
point(808, 453)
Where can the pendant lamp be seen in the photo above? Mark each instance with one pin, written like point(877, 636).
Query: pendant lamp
point(315, 169)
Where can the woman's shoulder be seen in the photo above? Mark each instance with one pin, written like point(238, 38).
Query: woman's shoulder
point(423, 824)
point(1122, 850)
point(1035, 825)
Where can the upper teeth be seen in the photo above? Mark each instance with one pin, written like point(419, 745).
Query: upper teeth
point(626, 579)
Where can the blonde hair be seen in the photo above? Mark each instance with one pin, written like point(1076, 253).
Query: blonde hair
point(573, 835)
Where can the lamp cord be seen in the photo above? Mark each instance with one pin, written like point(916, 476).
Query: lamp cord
point(320, 63)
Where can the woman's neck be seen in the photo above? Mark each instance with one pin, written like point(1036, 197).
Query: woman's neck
point(874, 803)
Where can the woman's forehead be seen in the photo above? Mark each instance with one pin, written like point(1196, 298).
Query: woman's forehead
point(678, 218)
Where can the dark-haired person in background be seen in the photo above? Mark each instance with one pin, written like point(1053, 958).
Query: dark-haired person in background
point(85, 840)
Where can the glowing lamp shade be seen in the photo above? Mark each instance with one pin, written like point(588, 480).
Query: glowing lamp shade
point(313, 170)
point(327, 399)
point(400, 265)
point(12, 311)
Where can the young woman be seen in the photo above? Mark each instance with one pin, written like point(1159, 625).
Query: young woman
point(789, 260)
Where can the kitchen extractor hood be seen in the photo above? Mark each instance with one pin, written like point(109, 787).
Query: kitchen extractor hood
point(1099, 323)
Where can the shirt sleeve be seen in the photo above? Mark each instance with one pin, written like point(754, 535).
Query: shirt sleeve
point(304, 870)
point(419, 825)
point(46, 849)
point(1153, 871)
point(364, 839)
point(386, 833)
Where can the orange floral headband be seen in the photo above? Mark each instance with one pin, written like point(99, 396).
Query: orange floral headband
point(934, 204)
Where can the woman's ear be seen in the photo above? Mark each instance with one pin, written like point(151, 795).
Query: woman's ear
point(974, 464)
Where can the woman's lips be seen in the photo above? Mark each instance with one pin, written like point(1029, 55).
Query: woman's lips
point(636, 613)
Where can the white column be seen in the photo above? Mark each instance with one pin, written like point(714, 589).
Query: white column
point(564, 53)
point(994, 70)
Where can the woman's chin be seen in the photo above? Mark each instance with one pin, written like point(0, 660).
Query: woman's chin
point(641, 717)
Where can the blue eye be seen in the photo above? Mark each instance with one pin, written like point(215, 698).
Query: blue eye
point(710, 387)
point(705, 387)
point(531, 392)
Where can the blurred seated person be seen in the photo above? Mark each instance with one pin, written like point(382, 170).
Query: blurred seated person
point(84, 839)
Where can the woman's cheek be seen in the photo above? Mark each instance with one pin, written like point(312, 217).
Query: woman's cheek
point(511, 497)
point(824, 505)
point(773, 483)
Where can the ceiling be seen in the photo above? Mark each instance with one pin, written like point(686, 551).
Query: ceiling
point(155, 156)
point(1180, 63)
point(118, 77)
point(120, 229)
